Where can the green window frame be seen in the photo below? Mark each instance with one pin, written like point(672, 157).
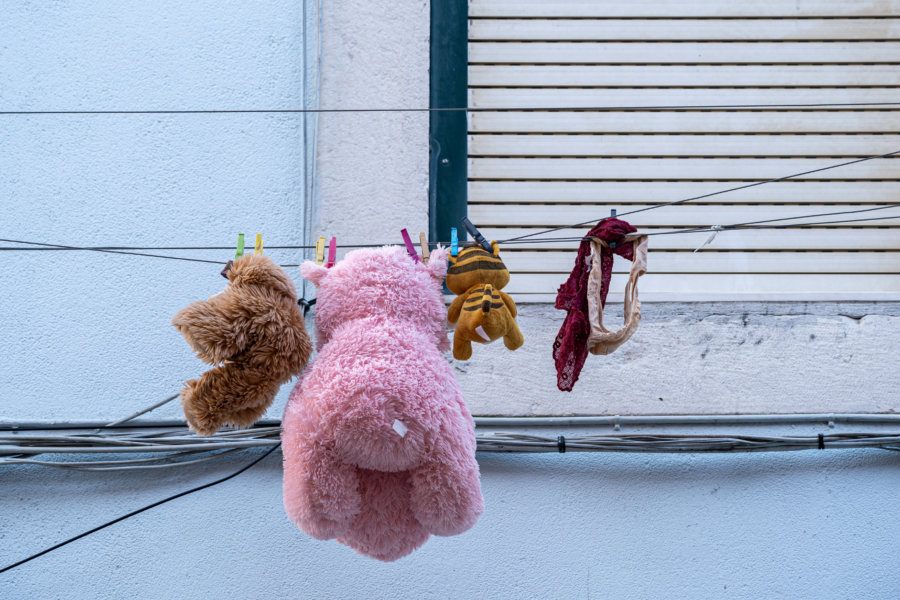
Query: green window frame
point(448, 130)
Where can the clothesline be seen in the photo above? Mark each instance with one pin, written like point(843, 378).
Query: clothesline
point(532, 241)
point(467, 109)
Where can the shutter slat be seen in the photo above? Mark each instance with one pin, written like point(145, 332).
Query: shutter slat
point(694, 8)
point(720, 262)
point(693, 76)
point(683, 145)
point(881, 121)
point(686, 215)
point(688, 30)
point(650, 97)
point(674, 168)
point(561, 53)
point(631, 192)
point(813, 238)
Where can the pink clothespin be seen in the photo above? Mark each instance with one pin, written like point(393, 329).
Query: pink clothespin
point(409, 245)
point(332, 252)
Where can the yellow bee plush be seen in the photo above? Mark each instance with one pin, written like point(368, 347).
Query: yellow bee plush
point(481, 311)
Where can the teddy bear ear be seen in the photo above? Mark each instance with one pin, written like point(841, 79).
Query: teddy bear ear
point(313, 272)
point(437, 263)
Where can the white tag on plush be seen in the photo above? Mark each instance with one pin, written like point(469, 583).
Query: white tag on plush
point(400, 428)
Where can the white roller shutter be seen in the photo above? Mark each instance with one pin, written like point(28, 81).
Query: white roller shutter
point(533, 170)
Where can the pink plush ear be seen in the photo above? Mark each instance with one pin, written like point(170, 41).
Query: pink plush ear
point(437, 263)
point(313, 272)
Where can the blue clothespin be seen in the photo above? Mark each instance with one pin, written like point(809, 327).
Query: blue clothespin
point(476, 235)
point(454, 242)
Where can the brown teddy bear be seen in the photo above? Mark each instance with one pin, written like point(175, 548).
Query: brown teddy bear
point(481, 311)
point(253, 331)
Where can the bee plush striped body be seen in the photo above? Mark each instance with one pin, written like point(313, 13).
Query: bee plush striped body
point(482, 311)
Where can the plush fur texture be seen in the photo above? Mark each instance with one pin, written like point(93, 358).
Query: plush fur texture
point(379, 446)
point(482, 312)
point(253, 331)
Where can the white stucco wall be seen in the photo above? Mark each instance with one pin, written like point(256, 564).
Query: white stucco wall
point(688, 358)
point(781, 526)
point(373, 166)
point(88, 337)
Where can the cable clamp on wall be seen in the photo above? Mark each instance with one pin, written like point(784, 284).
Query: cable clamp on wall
point(561, 444)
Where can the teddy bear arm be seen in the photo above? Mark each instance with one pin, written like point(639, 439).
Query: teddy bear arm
point(227, 394)
point(212, 328)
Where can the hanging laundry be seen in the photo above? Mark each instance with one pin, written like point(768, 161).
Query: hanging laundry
point(582, 330)
point(482, 312)
point(601, 340)
point(379, 446)
point(253, 332)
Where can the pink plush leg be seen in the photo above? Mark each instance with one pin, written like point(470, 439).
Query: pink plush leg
point(446, 491)
point(321, 493)
point(385, 527)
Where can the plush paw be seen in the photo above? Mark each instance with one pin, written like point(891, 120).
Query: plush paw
point(446, 495)
point(385, 528)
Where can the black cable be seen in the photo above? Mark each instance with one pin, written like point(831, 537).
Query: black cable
point(120, 248)
point(682, 201)
point(62, 247)
point(45, 246)
point(467, 109)
point(703, 229)
point(140, 510)
point(748, 225)
point(781, 226)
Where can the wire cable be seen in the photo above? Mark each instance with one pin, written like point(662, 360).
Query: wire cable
point(709, 195)
point(706, 229)
point(523, 240)
point(746, 225)
point(140, 510)
point(468, 109)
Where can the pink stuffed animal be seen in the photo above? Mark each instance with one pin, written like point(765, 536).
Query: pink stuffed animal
point(379, 446)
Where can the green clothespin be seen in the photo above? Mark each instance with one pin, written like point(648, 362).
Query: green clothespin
point(240, 246)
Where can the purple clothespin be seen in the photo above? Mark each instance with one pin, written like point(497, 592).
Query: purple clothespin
point(409, 245)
